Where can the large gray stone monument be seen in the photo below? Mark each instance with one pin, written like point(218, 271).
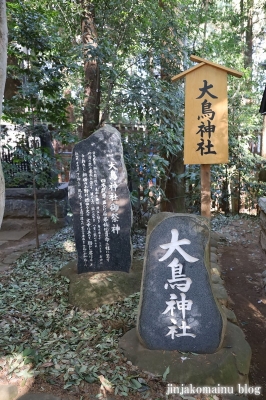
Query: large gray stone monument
point(99, 200)
point(178, 310)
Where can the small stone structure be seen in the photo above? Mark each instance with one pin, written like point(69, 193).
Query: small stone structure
point(100, 202)
point(229, 363)
point(102, 217)
point(228, 367)
point(263, 277)
point(20, 203)
point(178, 310)
point(262, 205)
point(93, 289)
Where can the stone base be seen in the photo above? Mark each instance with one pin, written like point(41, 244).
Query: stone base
point(93, 289)
point(8, 392)
point(262, 205)
point(228, 367)
point(40, 396)
point(263, 239)
point(44, 224)
point(19, 202)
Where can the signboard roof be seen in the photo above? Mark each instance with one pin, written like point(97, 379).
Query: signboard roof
point(203, 62)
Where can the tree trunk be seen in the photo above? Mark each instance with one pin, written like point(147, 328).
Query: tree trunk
point(3, 62)
point(246, 12)
point(12, 85)
point(91, 110)
point(249, 36)
point(35, 210)
point(174, 189)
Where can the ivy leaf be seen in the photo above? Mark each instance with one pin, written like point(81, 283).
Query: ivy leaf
point(25, 374)
point(136, 384)
point(166, 372)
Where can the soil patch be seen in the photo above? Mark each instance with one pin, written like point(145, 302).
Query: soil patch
point(242, 261)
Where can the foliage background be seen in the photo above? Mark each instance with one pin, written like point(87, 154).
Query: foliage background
point(112, 62)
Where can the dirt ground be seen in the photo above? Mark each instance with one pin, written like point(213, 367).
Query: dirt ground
point(242, 262)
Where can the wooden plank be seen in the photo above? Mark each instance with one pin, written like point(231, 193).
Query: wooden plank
point(205, 178)
point(228, 70)
point(179, 76)
point(206, 131)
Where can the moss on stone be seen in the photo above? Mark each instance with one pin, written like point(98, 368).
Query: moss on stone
point(90, 290)
point(228, 367)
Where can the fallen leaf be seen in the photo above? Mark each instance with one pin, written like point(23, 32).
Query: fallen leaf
point(47, 364)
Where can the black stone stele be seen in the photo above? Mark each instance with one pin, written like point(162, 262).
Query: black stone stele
point(263, 103)
point(177, 308)
point(100, 203)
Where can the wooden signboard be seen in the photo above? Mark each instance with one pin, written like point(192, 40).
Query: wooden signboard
point(206, 117)
point(206, 120)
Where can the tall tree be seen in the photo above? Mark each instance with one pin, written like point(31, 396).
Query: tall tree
point(3, 62)
point(133, 42)
point(44, 60)
point(91, 110)
point(174, 188)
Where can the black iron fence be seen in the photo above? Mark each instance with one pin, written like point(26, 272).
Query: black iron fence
point(11, 158)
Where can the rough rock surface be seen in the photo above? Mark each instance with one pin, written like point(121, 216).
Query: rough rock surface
point(20, 204)
point(229, 366)
point(262, 205)
point(93, 289)
point(39, 396)
point(160, 322)
point(100, 202)
point(8, 392)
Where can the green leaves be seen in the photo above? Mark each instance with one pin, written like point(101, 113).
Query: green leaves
point(41, 333)
point(166, 372)
point(139, 46)
point(41, 60)
point(136, 384)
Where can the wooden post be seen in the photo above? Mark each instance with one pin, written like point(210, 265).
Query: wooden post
point(205, 178)
point(206, 120)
